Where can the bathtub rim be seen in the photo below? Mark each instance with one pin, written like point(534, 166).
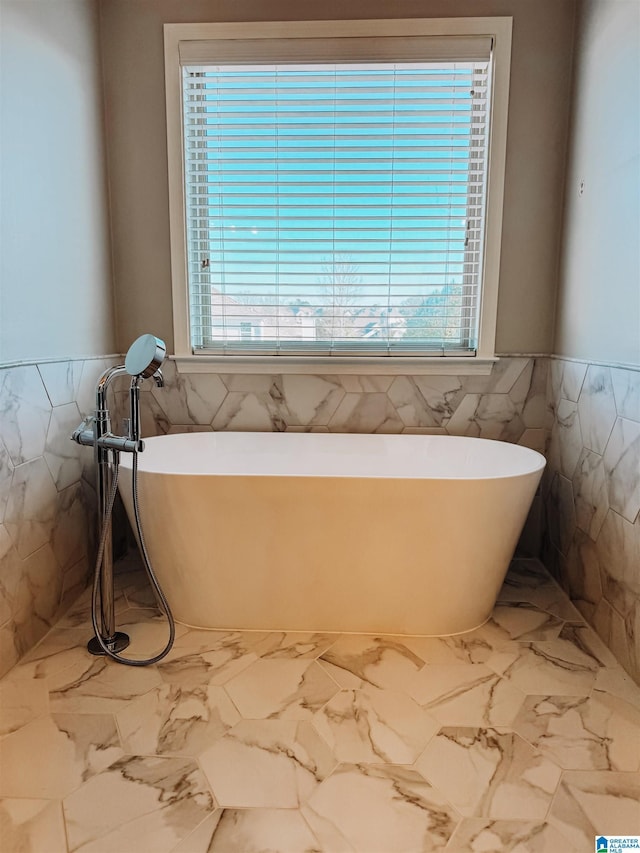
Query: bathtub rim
point(536, 460)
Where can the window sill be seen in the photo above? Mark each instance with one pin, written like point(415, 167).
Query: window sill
point(397, 366)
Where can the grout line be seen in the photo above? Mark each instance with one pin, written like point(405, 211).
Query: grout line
point(64, 824)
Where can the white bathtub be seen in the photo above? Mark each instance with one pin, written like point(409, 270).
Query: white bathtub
point(396, 534)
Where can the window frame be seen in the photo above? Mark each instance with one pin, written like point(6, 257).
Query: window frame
point(497, 28)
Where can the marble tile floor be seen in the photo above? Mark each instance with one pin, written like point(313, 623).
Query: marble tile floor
point(523, 735)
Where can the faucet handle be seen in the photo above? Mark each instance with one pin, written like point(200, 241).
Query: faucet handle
point(126, 427)
point(85, 432)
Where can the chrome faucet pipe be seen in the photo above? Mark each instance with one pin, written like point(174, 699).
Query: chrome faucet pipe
point(102, 419)
point(134, 409)
point(107, 599)
point(102, 429)
point(102, 387)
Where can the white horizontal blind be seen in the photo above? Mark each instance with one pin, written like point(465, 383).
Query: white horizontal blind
point(335, 208)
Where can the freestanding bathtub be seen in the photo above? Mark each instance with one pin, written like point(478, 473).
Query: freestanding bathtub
point(396, 534)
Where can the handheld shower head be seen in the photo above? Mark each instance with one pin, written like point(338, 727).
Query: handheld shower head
point(143, 361)
point(145, 356)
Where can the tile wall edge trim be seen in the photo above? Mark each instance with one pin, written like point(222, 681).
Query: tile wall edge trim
point(55, 359)
point(621, 365)
point(7, 365)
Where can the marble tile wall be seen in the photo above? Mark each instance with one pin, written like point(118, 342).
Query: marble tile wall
point(591, 492)
point(509, 404)
point(47, 497)
point(586, 417)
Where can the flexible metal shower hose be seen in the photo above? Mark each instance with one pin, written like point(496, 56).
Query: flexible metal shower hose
point(147, 564)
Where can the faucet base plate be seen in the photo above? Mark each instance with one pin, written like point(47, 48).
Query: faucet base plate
point(117, 643)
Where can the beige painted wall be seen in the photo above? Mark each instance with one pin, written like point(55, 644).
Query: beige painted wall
point(599, 293)
point(56, 295)
point(134, 86)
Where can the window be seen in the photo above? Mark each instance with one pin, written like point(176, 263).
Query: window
point(335, 193)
